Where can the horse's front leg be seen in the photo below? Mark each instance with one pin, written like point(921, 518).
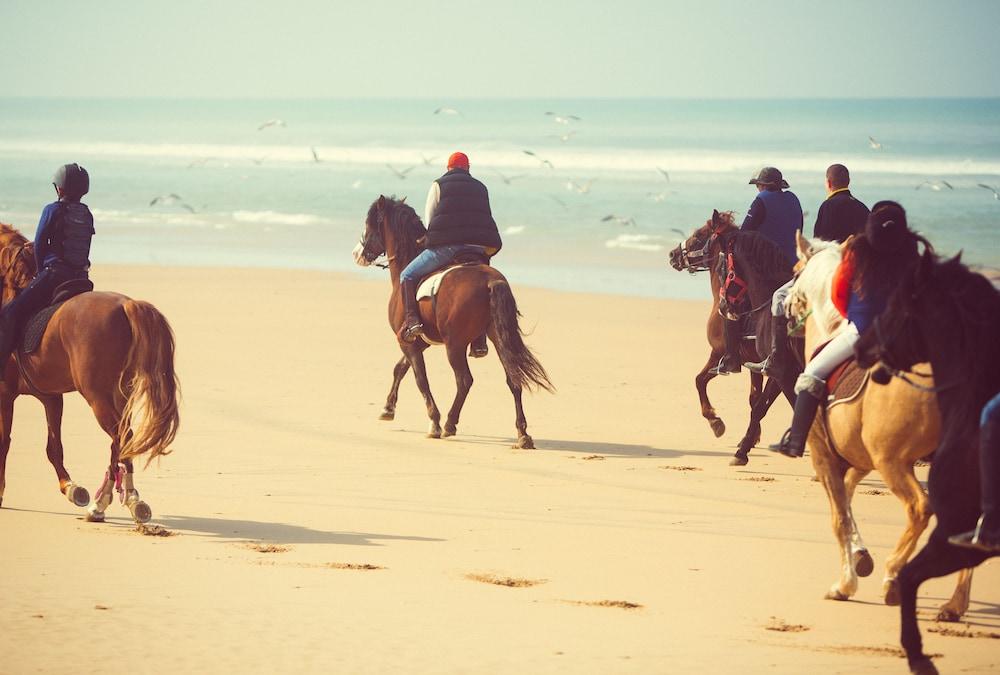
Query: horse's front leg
point(830, 470)
point(958, 605)
point(415, 353)
point(758, 409)
point(76, 494)
point(6, 419)
point(398, 373)
point(900, 479)
point(701, 381)
point(463, 383)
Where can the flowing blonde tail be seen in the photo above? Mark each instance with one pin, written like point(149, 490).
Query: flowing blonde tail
point(150, 418)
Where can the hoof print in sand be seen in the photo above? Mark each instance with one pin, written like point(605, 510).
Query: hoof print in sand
point(352, 566)
point(617, 604)
point(759, 479)
point(509, 582)
point(780, 626)
point(676, 467)
point(153, 530)
point(267, 548)
point(593, 457)
point(875, 491)
point(102, 607)
point(966, 632)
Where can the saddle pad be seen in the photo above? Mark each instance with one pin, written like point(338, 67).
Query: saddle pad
point(36, 328)
point(428, 288)
point(846, 382)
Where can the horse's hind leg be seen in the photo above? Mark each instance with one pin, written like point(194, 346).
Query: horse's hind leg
point(524, 441)
point(701, 381)
point(831, 470)
point(6, 418)
point(389, 411)
point(415, 353)
point(76, 494)
point(463, 383)
point(860, 557)
point(107, 415)
point(958, 605)
point(140, 510)
point(904, 485)
point(758, 409)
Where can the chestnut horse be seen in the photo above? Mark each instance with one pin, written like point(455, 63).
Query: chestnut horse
point(119, 354)
point(471, 300)
point(701, 252)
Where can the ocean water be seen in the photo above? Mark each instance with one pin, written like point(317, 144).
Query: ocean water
point(259, 197)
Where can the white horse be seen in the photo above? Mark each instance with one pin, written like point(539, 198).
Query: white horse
point(886, 428)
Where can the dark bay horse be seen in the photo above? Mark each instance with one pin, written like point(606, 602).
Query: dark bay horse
point(701, 252)
point(471, 300)
point(119, 354)
point(947, 315)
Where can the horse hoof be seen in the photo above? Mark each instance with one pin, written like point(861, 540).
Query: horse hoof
point(891, 591)
point(387, 415)
point(94, 517)
point(948, 615)
point(524, 443)
point(449, 431)
point(923, 666)
point(863, 563)
point(718, 426)
point(140, 511)
point(77, 494)
point(739, 459)
point(835, 594)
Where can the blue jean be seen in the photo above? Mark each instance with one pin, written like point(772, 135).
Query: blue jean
point(989, 463)
point(433, 259)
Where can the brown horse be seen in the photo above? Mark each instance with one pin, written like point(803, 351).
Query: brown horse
point(471, 300)
point(119, 354)
point(701, 252)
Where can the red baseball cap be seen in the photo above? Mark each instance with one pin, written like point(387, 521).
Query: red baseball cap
point(458, 160)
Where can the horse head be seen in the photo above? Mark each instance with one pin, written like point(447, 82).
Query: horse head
point(17, 262)
point(698, 252)
point(392, 229)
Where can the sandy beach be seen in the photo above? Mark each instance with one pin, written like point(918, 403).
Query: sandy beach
point(308, 536)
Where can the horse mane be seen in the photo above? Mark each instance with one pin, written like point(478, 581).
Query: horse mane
point(16, 270)
point(11, 236)
point(763, 257)
point(404, 223)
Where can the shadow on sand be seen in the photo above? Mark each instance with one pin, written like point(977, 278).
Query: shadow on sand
point(590, 448)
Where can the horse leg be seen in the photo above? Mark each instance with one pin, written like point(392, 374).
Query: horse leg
point(860, 557)
point(107, 416)
point(904, 485)
point(415, 353)
point(756, 388)
point(758, 409)
point(140, 510)
point(524, 441)
point(701, 381)
point(831, 470)
point(6, 419)
point(389, 411)
point(76, 494)
point(463, 383)
point(958, 605)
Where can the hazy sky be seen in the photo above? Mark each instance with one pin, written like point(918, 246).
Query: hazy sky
point(530, 48)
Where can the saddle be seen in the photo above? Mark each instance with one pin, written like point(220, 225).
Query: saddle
point(429, 285)
point(845, 382)
point(36, 325)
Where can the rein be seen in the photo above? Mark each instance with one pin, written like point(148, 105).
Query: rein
point(903, 373)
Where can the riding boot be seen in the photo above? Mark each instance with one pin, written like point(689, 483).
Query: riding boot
point(986, 536)
point(793, 443)
point(731, 360)
point(7, 337)
point(412, 327)
point(777, 359)
point(478, 349)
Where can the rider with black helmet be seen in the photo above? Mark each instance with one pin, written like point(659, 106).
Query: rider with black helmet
point(62, 253)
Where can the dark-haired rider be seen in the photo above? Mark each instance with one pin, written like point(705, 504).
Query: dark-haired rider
point(62, 253)
point(458, 220)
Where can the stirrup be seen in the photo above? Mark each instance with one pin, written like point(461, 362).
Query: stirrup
point(764, 367)
point(718, 368)
point(974, 540)
point(781, 446)
point(478, 353)
point(411, 333)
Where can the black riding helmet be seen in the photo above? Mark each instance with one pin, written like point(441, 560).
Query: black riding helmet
point(73, 180)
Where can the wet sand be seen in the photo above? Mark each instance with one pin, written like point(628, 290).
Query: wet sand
point(309, 536)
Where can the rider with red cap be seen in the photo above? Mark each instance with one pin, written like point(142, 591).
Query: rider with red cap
point(459, 221)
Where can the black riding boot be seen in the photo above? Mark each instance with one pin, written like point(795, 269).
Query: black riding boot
point(731, 360)
point(777, 359)
point(478, 349)
point(793, 443)
point(412, 327)
point(986, 536)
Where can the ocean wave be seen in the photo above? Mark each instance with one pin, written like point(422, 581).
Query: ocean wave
point(278, 218)
point(637, 242)
point(618, 161)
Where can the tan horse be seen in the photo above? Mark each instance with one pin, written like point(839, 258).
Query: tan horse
point(885, 428)
point(119, 354)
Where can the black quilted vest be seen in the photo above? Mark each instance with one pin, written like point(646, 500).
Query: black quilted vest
point(72, 232)
point(463, 214)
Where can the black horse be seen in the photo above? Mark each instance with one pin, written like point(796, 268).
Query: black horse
point(945, 314)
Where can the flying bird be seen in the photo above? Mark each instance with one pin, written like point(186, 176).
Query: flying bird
point(680, 233)
point(563, 119)
point(657, 196)
point(564, 137)
point(508, 179)
point(513, 229)
point(935, 185)
point(400, 174)
point(271, 123)
point(356, 184)
point(666, 176)
point(583, 189)
point(621, 220)
point(444, 110)
point(873, 144)
point(558, 201)
point(171, 199)
point(427, 160)
point(545, 162)
point(315, 156)
point(995, 191)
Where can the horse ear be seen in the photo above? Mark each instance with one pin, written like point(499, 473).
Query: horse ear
point(715, 216)
point(803, 246)
point(381, 201)
point(403, 200)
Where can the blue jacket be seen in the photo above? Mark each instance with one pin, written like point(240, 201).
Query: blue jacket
point(63, 235)
point(776, 214)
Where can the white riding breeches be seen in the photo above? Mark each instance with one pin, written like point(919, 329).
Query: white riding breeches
point(838, 350)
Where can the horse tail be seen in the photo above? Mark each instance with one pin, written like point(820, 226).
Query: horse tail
point(150, 417)
point(522, 367)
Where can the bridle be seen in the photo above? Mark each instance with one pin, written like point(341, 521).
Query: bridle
point(698, 260)
point(374, 236)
